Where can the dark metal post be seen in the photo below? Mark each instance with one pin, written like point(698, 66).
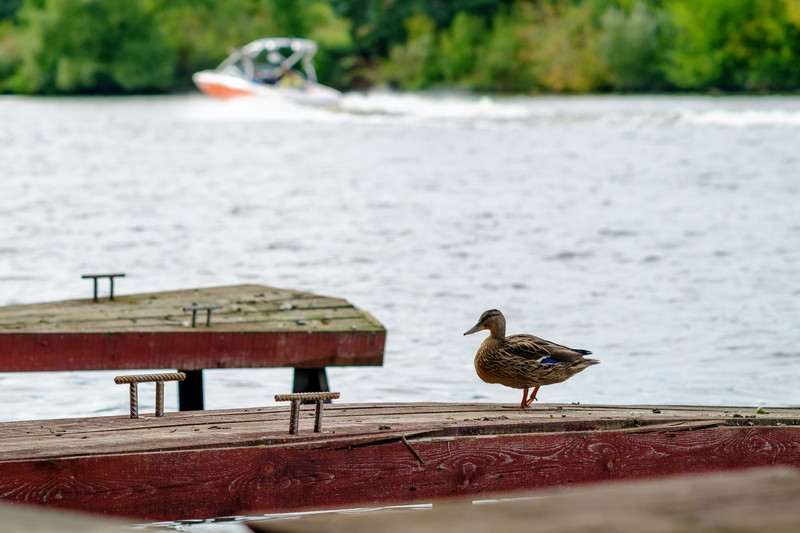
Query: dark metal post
point(110, 282)
point(190, 391)
point(194, 308)
point(310, 380)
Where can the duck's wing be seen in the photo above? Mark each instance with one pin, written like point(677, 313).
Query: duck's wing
point(541, 350)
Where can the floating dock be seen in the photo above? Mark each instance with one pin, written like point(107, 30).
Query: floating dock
point(255, 326)
point(203, 464)
point(239, 326)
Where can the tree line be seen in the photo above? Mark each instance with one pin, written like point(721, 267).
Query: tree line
point(511, 46)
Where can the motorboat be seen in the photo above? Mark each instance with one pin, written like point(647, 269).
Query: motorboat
point(271, 67)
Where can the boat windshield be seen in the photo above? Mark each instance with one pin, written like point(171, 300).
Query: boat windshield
point(272, 61)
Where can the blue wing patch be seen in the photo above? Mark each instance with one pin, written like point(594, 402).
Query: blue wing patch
point(548, 360)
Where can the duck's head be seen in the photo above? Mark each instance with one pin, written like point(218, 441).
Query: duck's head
point(493, 320)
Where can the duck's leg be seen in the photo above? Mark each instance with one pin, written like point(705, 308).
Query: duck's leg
point(529, 401)
point(524, 403)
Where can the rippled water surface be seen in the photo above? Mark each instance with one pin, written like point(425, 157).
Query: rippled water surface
point(661, 233)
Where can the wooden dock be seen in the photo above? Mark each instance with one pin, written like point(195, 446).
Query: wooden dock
point(221, 463)
point(254, 326)
point(750, 501)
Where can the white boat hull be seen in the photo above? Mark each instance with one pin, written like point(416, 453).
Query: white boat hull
point(225, 86)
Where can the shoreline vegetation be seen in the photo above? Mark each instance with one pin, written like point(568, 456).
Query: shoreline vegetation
point(489, 46)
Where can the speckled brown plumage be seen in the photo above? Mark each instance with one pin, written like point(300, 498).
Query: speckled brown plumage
point(523, 361)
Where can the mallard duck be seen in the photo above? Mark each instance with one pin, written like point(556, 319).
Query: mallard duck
point(523, 361)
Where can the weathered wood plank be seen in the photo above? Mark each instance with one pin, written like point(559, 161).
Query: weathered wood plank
point(749, 501)
point(367, 422)
point(240, 304)
point(192, 350)
point(243, 461)
point(257, 326)
point(261, 478)
point(115, 434)
point(89, 319)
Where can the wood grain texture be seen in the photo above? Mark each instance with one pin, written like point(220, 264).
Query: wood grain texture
point(244, 462)
point(751, 501)
point(257, 326)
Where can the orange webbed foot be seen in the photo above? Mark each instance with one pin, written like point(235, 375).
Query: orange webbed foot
point(529, 401)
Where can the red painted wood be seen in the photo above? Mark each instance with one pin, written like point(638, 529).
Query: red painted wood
point(254, 326)
point(271, 478)
point(193, 350)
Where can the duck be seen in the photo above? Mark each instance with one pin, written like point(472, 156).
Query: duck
point(523, 361)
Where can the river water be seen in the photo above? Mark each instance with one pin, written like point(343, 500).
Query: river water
point(662, 233)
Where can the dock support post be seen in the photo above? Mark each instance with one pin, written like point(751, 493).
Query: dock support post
point(190, 391)
point(310, 380)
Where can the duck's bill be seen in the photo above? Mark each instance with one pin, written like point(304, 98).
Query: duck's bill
point(475, 329)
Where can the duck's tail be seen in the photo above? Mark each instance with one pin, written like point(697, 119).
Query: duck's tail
point(585, 363)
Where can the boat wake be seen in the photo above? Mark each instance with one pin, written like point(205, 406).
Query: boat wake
point(418, 106)
point(385, 107)
point(746, 118)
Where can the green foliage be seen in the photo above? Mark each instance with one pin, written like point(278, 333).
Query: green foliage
point(561, 42)
point(333, 63)
point(630, 46)
point(765, 53)
point(733, 44)
point(378, 25)
point(697, 57)
point(8, 8)
point(411, 65)
point(203, 32)
point(66, 48)
point(108, 46)
point(498, 68)
point(458, 47)
point(289, 16)
point(792, 11)
point(9, 60)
